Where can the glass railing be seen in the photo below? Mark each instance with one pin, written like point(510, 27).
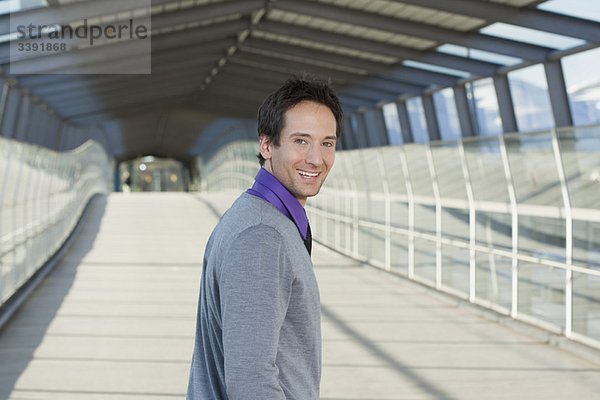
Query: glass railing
point(42, 196)
point(511, 223)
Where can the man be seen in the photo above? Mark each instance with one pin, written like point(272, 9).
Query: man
point(259, 329)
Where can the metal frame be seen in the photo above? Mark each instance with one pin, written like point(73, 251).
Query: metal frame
point(526, 17)
point(564, 189)
point(505, 103)
point(557, 90)
point(433, 128)
point(410, 28)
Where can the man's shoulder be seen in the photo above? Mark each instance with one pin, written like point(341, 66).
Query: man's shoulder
point(249, 212)
point(254, 211)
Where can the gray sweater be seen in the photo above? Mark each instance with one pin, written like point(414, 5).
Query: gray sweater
point(258, 334)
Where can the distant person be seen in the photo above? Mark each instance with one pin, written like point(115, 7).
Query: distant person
point(127, 184)
point(258, 333)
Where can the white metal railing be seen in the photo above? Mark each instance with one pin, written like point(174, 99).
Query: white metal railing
point(511, 222)
point(42, 196)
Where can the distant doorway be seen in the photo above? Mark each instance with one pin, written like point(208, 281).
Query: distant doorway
point(153, 174)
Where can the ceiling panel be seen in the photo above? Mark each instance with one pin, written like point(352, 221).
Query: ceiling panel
point(204, 51)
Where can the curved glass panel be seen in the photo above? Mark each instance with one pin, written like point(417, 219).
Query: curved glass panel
point(42, 195)
point(392, 123)
point(447, 115)
point(416, 118)
point(484, 102)
point(529, 90)
point(583, 86)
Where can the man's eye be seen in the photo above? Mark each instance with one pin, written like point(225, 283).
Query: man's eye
point(300, 141)
point(328, 144)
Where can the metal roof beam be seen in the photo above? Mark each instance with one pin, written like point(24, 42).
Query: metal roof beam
point(373, 96)
point(229, 107)
point(385, 86)
point(125, 85)
point(205, 12)
point(315, 54)
point(164, 88)
point(390, 86)
point(389, 71)
point(70, 111)
point(252, 96)
point(141, 108)
point(414, 29)
point(243, 83)
point(525, 17)
point(354, 102)
point(89, 102)
point(256, 73)
point(294, 66)
point(377, 47)
point(203, 34)
point(421, 76)
point(127, 64)
point(66, 87)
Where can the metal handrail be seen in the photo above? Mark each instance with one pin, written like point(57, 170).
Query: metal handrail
point(514, 265)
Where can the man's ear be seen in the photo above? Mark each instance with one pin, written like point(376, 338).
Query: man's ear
point(265, 146)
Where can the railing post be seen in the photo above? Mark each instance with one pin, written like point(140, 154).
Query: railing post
point(568, 233)
point(472, 222)
point(387, 212)
point(411, 213)
point(3, 97)
point(512, 194)
point(438, 218)
point(369, 201)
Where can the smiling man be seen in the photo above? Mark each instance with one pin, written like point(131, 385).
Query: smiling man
point(258, 334)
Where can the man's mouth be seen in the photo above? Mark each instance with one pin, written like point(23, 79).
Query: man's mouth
point(308, 174)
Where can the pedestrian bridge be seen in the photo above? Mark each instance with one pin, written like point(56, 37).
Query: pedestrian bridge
point(115, 319)
point(457, 237)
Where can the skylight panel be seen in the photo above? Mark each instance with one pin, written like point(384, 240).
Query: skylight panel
point(531, 36)
point(587, 9)
point(436, 68)
point(480, 55)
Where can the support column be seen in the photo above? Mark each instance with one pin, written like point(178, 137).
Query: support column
point(465, 118)
point(379, 121)
point(53, 131)
point(24, 118)
point(505, 104)
point(407, 136)
point(36, 124)
point(433, 128)
point(3, 98)
point(347, 140)
point(59, 140)
point(559, 98)
point(362, 133)
point(11, 111)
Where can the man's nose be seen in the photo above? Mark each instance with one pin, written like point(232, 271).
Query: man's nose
point(314, 155)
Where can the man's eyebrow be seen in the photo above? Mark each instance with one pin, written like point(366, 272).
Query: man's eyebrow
point(300, 134)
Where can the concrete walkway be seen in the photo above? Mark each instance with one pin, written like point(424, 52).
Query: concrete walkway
point(115, 320)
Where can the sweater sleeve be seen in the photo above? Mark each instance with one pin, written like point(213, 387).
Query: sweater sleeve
point(255, 287)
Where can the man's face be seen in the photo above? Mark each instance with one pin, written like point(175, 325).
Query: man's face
point(306, 150)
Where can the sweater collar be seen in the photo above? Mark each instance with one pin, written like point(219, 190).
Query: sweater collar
point(268, 188)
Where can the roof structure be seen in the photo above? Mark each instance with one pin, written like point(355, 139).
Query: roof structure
point(222, 57)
